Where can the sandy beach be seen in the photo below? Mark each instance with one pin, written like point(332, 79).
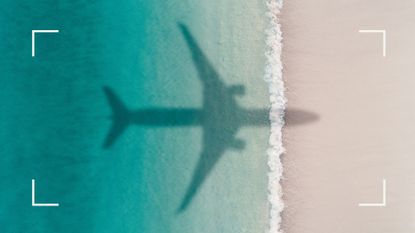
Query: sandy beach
point(364, 132)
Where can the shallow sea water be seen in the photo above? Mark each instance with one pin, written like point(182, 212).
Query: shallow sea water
point(55, 116)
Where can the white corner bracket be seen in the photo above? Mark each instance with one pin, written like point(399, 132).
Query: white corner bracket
point(383, 203)
point(383, 32)
point(34, 198)
point(34, 38)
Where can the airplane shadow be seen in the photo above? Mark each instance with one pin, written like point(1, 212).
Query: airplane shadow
point(220, 118)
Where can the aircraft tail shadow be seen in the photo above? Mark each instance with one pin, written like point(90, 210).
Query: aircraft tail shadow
point(120, 117)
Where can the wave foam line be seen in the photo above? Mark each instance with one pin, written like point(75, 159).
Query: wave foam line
point(273, 76)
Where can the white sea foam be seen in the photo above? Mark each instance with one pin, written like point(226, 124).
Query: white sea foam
point(273, 76)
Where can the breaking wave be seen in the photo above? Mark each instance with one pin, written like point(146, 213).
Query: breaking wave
point(273, 76)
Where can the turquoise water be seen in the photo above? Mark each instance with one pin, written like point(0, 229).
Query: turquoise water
point(55, 117)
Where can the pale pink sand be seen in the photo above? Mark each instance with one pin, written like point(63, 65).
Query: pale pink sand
point(366, 107)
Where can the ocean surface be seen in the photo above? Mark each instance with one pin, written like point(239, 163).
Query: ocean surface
point(57, 109)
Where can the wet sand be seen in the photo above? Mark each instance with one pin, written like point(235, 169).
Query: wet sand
point(364, 101)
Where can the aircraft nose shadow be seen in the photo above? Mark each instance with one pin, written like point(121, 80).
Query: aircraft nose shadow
point(295, 117)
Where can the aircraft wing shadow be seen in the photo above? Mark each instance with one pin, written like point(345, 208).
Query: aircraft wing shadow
point(219, 106)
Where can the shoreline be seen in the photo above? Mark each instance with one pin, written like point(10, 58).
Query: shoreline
point(273, 77)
